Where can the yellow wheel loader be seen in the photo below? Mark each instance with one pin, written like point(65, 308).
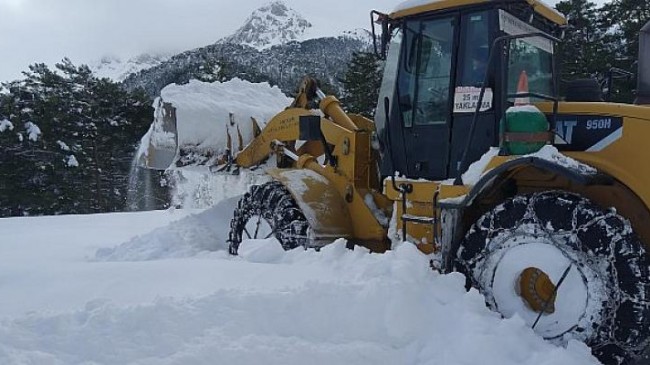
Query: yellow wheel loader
point(544, 206)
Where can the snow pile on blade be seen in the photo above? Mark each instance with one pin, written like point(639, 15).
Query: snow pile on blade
point(206, 113)
point(195, 187)
point(265, 307)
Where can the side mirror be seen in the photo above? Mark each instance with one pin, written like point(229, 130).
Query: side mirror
point(380, 18)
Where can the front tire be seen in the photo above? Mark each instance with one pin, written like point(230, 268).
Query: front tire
point(605, 299)
point(266, 211)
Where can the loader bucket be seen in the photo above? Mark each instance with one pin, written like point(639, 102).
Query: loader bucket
point(162, 140)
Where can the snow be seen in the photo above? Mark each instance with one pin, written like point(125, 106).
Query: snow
point(572, 296)
point(6, 125)
point(157, 288)
point(32, 131)
point(63, 146)
point(198, 188)
point(408, 4)
point(118, 70)
point(474, 172)
point(376, 212)
point(523, 108)
point(71, 161)
point(203, 112)
point(270, 25)
point(551, 154)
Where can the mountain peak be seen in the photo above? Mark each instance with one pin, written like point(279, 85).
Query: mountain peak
point(277, 8)
point(272, 24)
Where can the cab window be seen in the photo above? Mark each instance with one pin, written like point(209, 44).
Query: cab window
point(535, 62)
point(476, 49)
point(533, 55)
point(426, 71)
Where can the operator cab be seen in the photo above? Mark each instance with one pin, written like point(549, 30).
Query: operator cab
point(437, 62)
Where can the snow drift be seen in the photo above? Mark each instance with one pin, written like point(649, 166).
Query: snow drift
point(148, 304)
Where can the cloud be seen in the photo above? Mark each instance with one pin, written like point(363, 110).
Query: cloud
point(46, 31)
point(85, 30)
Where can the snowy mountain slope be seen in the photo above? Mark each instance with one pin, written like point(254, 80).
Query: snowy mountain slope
point(158, 288)
point(276, 45)
point(117, 69)
point(283, 65)
point(272, 24)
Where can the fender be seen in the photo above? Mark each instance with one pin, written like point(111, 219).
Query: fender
point(529, 174)
point(320, 202)
point(580, 176)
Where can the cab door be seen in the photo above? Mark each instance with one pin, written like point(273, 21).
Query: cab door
point(471, 72)
point(424, 94)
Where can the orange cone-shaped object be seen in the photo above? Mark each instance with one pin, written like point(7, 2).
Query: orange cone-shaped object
point(522, 88)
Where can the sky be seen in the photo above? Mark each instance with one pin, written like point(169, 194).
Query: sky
point(85, 30)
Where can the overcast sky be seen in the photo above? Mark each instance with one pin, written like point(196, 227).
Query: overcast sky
point(85, 30)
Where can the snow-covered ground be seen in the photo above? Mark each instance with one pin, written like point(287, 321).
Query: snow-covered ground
point(159, 288)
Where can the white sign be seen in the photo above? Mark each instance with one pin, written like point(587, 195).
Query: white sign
point(513, 26)
point(466, 99)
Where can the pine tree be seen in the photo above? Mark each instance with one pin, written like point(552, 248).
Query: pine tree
point(71, 141)
point(584, 52)
point(362, 82)
point(624, 19)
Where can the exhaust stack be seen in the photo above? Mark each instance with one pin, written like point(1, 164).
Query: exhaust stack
point(643, 76)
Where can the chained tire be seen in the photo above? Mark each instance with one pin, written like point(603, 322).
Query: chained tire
point(266, 211)
point(604, 299)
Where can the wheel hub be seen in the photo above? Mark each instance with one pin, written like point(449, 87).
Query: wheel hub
point(524, 278)
point(257, 227)
point(537, 290)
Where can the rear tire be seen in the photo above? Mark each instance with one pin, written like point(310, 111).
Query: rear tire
point(272, 206)
point(598, 245)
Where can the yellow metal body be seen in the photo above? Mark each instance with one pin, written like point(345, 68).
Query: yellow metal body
point(537, 290)
point(328, 215)
point(348, 186)
point(623, 160)
point(343, 196)
point(539, 7)
point(339, 201)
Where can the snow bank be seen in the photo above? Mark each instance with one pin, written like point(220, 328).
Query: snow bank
point(187, 237)
point(355, 308)
point(203, 110)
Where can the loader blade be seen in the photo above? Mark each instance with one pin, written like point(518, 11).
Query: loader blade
point(162, 149)
point(159, 158)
